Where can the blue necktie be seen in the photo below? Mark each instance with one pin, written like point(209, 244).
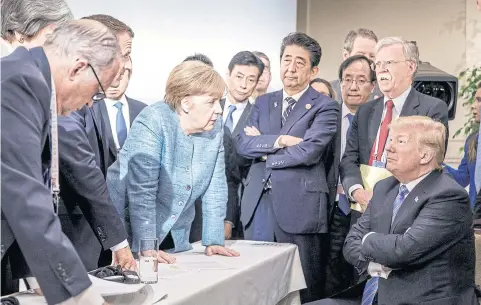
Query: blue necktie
point(343, 203)
point(403, 192)
point(120, 125)
point(370, 289)
point(477, 171)
point(290, 104)
point(229, 122)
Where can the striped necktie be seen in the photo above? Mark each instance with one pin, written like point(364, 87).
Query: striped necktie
point(290, 104)
point(403, 192)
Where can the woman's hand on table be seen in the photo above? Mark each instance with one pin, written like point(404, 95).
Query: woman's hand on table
point(165, 258)
point(220, 250)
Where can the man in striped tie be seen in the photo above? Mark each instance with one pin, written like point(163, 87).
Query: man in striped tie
point(414, 241)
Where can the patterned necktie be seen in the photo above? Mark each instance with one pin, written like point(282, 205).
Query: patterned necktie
point(403, 192)
point(349, 116)
point(383, 133)
point(229, 122)
point(290, 104)
point(120, 125)
point(370, 291)
point(477, 171)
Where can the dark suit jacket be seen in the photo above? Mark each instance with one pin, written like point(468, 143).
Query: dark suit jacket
point(83, 190)
point(297, 173)
point(477, 209)
point(236, 167)
point(27, 209)
point(99, 133)
point(365, 125)
point(430, 243)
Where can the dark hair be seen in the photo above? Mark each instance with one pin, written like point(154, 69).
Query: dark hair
point(306, 42)
point(200, 57)
point(246, 58)
point(332, 94)
point(350, 60)
point(261, 55)
point(112, 23)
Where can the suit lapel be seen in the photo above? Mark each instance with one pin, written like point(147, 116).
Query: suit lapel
point(386, 215)
point(108, 130)
point(415, 196)
point(375, 121)
point(299, 109)
point(42, 62)
point(275, 112)
point(132, 113)
point(411, 104)
point(242, 119)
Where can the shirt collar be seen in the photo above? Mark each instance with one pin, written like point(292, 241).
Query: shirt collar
point(239, 106)
point(399, 101)
point(296, 96)
point(111, 102)
point(345, 111)
point(411, 185)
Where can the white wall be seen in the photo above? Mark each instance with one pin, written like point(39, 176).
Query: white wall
point(168, 31)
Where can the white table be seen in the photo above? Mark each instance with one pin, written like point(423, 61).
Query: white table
point(264, 274)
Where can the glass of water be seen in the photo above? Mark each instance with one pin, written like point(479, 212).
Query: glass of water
point(148, 261)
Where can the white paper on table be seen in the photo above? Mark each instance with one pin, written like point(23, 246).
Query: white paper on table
point(169, 271)
point(198, 261)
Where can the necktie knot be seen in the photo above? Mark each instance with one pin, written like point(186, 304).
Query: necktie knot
point(118, 105)
point(403, 191)
point(350, 116)
point(389, 104)
point(290, 101)
point(232, 108)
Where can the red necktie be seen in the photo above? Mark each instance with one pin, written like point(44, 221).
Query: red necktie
point(383, 133)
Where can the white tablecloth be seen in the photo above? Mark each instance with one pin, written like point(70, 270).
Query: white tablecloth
point(264, 274)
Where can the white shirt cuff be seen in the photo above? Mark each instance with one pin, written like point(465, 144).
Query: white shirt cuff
point(352, 189)
point(88, 296)
point(122, 245)
point(32, 283)
point(364, 238)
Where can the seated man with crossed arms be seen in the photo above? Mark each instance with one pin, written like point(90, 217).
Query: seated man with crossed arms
point(415, 239)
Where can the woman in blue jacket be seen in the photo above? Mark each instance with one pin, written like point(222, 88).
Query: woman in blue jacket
point(173, 155)
point(464, 175)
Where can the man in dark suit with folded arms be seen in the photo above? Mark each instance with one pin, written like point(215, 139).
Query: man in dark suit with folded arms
point(288, 136)
point(415, 239)
point(38, 84)
point(396, 63)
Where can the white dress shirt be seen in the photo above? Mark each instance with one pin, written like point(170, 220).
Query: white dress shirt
point(376, 269)
point(236, 115)
point(112, 113)
point(398, 103)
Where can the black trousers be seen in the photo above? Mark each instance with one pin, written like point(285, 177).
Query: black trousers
point(14, 267)
point(340, 274)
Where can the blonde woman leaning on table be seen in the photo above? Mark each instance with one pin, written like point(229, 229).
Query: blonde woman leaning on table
point(173, 155)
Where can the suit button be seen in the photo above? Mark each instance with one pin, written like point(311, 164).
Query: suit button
point(173, 217)
point(180, 203)
point(187, 169)
point(187, 187)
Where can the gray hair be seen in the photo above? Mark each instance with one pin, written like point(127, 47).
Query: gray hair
point(28, 17)
point(353, 34)
point(85, 38)
point(410, 50)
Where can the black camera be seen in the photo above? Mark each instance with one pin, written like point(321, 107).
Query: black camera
point(437, 83)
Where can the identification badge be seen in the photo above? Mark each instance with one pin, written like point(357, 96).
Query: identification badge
point(379, 164)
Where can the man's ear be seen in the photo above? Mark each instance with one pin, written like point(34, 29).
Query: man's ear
point(78, 67)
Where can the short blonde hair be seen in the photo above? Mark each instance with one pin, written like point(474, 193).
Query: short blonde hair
point(427, 132)
point(192, 78)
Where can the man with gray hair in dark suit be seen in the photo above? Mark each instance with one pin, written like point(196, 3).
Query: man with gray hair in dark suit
point(37, 85)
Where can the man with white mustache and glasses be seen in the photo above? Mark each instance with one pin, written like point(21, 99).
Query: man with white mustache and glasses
point(395, 65)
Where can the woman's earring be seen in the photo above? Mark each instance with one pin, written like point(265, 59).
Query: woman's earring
point(21, 39)
point(185, 110)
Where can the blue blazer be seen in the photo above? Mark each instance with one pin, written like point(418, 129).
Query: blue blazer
point(159, 174)
point(300, 186)
point(464, 175)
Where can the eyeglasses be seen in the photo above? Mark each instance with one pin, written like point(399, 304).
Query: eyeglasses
point(99, 95)
point(360, 82)
point(385, 64)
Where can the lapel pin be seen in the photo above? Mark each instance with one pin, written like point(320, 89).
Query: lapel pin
point(416, 199)
point(308, 106)
point(275, 104)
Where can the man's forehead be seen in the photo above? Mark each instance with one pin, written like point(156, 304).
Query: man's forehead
point(359, 67)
